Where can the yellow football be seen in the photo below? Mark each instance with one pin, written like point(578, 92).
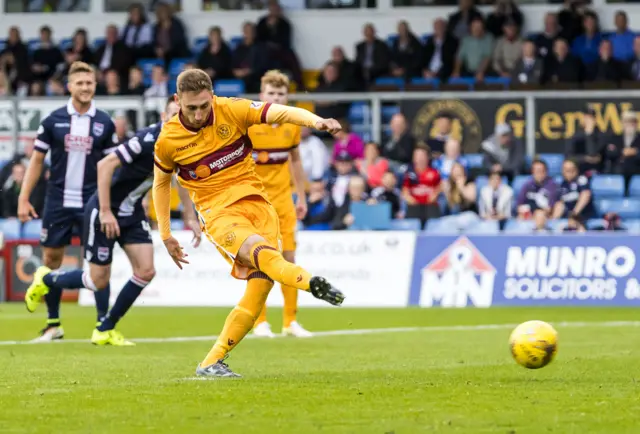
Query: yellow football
point(534, 344)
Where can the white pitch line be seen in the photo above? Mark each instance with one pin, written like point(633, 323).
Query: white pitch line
point(451, 328)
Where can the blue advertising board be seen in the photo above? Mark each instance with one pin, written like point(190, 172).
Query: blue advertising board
point(526, 270)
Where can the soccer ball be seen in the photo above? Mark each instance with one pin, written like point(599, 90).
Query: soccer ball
point(534, 344)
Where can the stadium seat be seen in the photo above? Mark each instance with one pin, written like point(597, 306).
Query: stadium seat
point(177, 66)
point(558, 179)
point(234, 42)
point(484, 227)
point(595, 223)
point(633, 226)
point(177, 225)
point(625, 208)
point(474, 160)
point(363, 130)
point(393, 82)
point(10, 229)
point(228, 87)
point(147, 66)
point(518, 182)
point(31, 230)
point(65, 44)
point(33, 44)
point(515, 226)
point(557, 225)
point(359, 112)
point(440, 226)
point(419, 81)
point(607, 186)
point(98, 42)
point(554, 163)
point(3, 44)
point(634, 186)
point(199, 44)
point(388, 112)
point(405, 225)
point(501, 81)
point(371, 217)
point(425, 37)
point(391, 39)
point(463, 81)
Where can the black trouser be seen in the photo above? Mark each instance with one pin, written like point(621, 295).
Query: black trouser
point(423, 212)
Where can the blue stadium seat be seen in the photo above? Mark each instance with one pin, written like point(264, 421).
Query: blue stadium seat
point(504, 81)
point(199, 44)
point(147, 66)
point(484, 227)
point(634, 186)
point(228, 87)
point(31, 230)
point(554, 163)
point(177, 66)
point(3, 44)
point(405, 225)
point(557, 225)
point(10, 229)
point(625, 208)
point(391, 39)
point(475, 160)
point(33, 44)
point(371, 217)
point(463, 81)
point(425, 37)
point(98, 42)
point(515, 226)
point(4, 163)
point(65, 44)
point(388, 112)
point(390, 81)
point(441, 226)
point(172, 87)
point(177, 225)
point(633, 226)
point(558, 179)
point(518, 182)
point(234, 42)
point(359, 112)
point(419, 81)
point(363, 130)
point(595, 223)
point(607, 186)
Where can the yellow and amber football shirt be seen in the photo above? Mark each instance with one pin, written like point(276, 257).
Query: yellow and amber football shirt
point(272, 145)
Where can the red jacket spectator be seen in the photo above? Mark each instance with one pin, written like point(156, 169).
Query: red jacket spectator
point(421, 188)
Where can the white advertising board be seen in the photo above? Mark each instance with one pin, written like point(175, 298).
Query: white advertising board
point(373, 269)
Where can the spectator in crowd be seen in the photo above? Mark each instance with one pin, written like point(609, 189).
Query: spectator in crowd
point(5, 86)
point(452, 155)
point(159, 83)
point(460, 198)
point(347, 71)
point(474, 55)
point(562, 67)
point(538, 195)
point(14, 61)
point(372, 55)
point(635, 61)
point(46, 58)
point(347, 141)
point(373, 166)
point(388, 192)
point(314, 155)
point(587, 146)
point(443, 125)
point(585, 47)
point(111, 85)
point(135, 84)
point(503, 152)
point(421, 187)
point(250, 59)
point(496, 199)
point(331, 83)
point(406, 53)
point(540, 223)
point(544, 41)
point(11, 190)
point(339, 180)
point(612, 222)
point(169, 35)
point(357, 192)
point(20, 157)
point(575, 197)
point(459, 23)
point(507, 50)
point(439, 52)
point(114, 55)
point(575, 223)
point(79, 50)
point(55, 87)
point(622, 149)
point(529, 68)
point(37, 89)
point(137, 33)
point(320, 208)
point(399, 147)
point(570, 19)
point(623, 38)
point(606, 68)
point(123, 132)
point(215, 58)
point(505, 11)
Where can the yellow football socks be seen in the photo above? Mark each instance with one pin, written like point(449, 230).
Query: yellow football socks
point(263, 315)
point(290, 305)
point(241, 319)
point(270, 261)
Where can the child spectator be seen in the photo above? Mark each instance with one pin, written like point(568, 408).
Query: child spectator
point(339, 182)
point(343, 219)
point(373, 166)
point(388, 192)
point(320, 208)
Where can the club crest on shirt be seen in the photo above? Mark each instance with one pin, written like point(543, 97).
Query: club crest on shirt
point(229, 239)
point(98, 129)
point(224, 131)
point(103, 253)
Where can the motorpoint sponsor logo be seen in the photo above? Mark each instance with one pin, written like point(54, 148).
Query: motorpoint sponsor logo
point(565, 273)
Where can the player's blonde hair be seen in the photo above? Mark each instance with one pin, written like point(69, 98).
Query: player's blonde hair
point(193, 80)
point(77, 67)
point(274, 78)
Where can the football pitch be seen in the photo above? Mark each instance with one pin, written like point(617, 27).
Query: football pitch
point(370, 371)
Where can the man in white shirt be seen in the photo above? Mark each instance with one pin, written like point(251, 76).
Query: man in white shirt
point(314, 155)
point(158, 83)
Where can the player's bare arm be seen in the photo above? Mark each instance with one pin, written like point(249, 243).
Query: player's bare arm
point(106, 168)
point(299, 181)
point(26, 211)
point(162, 202)
point(189, 215)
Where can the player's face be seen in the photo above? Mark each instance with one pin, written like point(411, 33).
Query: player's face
point(196, 107)
point(274, 95)
point(171, 110)
point(82, 86)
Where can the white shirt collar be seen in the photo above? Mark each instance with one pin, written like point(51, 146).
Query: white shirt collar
point(72, 110)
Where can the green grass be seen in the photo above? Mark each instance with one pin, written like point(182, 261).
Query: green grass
point(426, 381)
